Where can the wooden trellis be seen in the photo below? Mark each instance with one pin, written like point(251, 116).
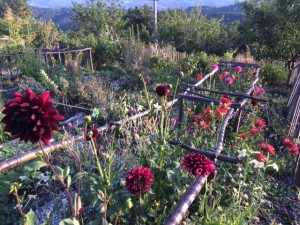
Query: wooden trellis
point(48, 52)
point(190, 195)
point(294, 117)
point(25, 157)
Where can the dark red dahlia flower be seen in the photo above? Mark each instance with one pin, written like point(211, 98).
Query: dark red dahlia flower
point(92, 134)
point(139, 180)
point(30, 117)
point(197, 164)
point(163, 90)
point(254, 102)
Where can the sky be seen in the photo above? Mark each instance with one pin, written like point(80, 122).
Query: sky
point(132, 3)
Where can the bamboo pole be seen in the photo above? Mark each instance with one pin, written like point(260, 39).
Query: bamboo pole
point(23, 158)
point(208, 153)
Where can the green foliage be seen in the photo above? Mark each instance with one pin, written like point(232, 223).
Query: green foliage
point(158, 63)
point(100, 26)
point(273, 74)
point(4, 136)
point(206, 60)
point(31, 66)
point(141, 20)
point(271, 30)
point(193, 32)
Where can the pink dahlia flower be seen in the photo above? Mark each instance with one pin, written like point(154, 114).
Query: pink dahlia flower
point(215, 67)
point(238, 69)
point(229, 80)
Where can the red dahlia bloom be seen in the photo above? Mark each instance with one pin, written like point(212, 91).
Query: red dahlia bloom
point(294, 150)
point(225, 100)
point(30, 117)
point(254, 102)
point(260, 124)
point(254, 131)
point(199, 76)
point(221, 112)
point(268, 147)
point(197, 164)
point(261, 157)
point(92, 134)
point(203, 124)
point(139, 180)
point(163, 90)
point(243, 136)
point(207, 111)
point(288, 143)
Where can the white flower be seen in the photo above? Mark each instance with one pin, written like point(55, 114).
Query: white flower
point(274, 166)
point(242, 153)
point(257, 164)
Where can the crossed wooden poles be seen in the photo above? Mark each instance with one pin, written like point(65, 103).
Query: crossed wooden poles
point(190, 195)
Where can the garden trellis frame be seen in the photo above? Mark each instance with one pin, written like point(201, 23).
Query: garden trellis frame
point(294, 117)
point(58, 52)
point(187, 199)
point(25, 157)
point(183, 204)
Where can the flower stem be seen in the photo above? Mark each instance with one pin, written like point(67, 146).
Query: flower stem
point(97, 159)
point(67, 190)
point(140, 208)
point(19, 203)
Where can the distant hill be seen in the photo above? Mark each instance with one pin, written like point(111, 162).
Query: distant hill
point(60, 16)
point(229, 13)
point(163, 4)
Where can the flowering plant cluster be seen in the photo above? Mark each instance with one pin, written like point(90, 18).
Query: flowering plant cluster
point(292, 148)
point(201, 120)
point(230, 78)
point(224, 107)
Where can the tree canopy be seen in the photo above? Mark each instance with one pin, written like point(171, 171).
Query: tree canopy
point(272, 29)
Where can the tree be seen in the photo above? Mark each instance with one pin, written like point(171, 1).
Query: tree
point(18, 7)
point(100, 26)
point(271, 29)
point(192, 32)
point(140, 19)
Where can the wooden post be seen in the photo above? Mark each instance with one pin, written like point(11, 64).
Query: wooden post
point(297, 173)
point(236, 123)
point(91, 61)
point(180, 113)
point(155, 24)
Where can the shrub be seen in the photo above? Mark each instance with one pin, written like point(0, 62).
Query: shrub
point(273, 74)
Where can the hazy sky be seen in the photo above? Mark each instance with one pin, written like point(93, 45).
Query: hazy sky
point(132, 3)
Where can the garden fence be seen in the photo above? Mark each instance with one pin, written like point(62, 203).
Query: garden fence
point(294, 118)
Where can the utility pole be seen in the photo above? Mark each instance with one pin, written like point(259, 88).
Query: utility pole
point(155, 24)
